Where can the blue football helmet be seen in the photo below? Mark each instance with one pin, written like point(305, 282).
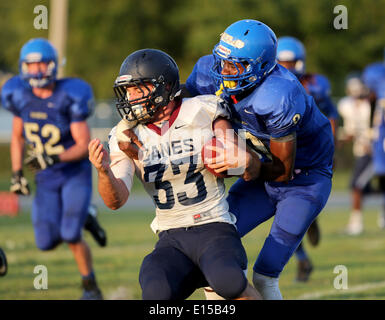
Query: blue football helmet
point(253, 45)
point(38, 50)
point(291, 49)
point(372, 74)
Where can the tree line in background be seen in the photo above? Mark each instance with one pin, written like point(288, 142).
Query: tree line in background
point(102, 33)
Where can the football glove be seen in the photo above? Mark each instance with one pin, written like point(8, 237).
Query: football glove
point(19, 184)
point(40, 161)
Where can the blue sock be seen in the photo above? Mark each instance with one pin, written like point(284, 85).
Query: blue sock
point(90, 276)
point(301, 253)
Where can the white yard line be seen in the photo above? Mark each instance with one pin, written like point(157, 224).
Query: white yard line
point(333, 292)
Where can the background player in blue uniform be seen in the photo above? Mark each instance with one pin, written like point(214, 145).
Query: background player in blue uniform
point(50, 117)
point(3, 263)
point(284, 123)
point(291, 54)
point(373, 77)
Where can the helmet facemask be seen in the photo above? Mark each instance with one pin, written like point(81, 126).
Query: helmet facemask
point(141, 109)
point(39, 79)
point(250, 74)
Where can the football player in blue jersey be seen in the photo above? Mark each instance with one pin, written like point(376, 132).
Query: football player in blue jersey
point(50, 117)
point(272, 110)
point(373, 77)
point(291, 54)
point(3, 263)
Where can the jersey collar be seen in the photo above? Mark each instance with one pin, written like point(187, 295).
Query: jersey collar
point(167, 124)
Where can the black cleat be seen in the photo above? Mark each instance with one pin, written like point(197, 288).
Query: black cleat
point(314, 233)
point(305, 268)
point(92, 225)
point(3, 264)
point(91, 290)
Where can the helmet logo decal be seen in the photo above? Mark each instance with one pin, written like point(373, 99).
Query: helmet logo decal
point(223, 51)
point(124, 78)
point(226, 38)
point(33, 57)
point(286, 55)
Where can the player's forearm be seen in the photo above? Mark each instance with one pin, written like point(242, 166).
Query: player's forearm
point(75, 153)
point(283, 151)
point(17, 150)
point(274, 172)
point(112, 190)
point(81, 135)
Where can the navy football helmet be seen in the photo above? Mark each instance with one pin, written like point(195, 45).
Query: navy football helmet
point(250, 44)
point(143, 67)
point(38, 50)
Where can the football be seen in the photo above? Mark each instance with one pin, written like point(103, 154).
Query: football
point(209, 154)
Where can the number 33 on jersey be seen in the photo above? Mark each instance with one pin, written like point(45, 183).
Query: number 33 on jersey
point(184, 192)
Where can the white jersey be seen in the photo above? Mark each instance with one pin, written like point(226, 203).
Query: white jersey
point(356, 117)
point(184, 192)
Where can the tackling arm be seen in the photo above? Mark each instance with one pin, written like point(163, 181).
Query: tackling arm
point(283, 152)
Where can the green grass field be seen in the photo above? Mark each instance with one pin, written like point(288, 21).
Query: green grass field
point(130, 239)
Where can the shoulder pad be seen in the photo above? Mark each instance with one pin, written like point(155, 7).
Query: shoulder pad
point(12, 92)
point(80, 92)
point(204, 109)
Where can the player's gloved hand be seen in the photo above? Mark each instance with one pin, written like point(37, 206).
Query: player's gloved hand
point(40, 161)
point(19, 184)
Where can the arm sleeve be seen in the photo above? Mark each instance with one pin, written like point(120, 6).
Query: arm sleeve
point(122, 167)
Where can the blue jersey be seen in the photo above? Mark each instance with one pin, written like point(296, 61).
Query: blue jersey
point(280, 106)
point(47, 121)
point(200, 81)
point(318, 87)
point(379, 125)
point(277, 107)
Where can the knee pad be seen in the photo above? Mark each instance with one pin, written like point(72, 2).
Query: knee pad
point(46, 237)
point(46, 244)
point(273, 257)
point(70, 237)
point(71, 232)
point(228, 282)
point(154, 288)
point(286, 238)
point(154, 284)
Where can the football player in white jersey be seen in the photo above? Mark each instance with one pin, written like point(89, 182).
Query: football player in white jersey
point(357, 115)
point(160, 139)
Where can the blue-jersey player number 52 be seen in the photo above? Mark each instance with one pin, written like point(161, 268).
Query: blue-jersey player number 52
point(33, 133)
point(191, 177)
